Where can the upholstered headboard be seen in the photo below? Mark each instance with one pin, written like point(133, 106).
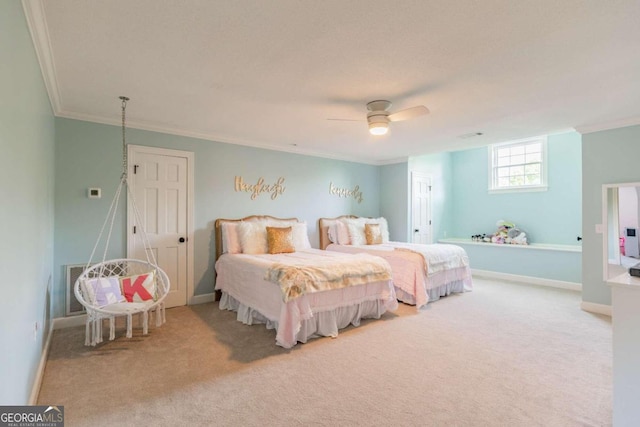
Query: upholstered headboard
point(323, 229)
point(219, 221)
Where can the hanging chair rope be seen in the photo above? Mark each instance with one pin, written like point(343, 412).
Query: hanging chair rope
point(113, 209)
point(122, 267)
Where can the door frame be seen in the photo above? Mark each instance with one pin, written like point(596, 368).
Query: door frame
point(417, 174)
point(189, 156)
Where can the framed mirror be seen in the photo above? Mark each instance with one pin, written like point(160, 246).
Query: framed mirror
point(620, 228)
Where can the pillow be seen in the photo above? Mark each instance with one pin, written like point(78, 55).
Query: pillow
point(280, 240)
point(253, 237)
point(102, 291)
point(356, 231)
point(332, 233)
point(300, 236)
point(230, 239)
point(373, 234)
point(139, 288)
point(384, 228)
point(342, 233)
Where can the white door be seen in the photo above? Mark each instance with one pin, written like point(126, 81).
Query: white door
point(420, 208)
point(159, 180)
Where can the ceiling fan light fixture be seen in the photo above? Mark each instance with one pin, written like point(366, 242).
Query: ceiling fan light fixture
point(378, 124)
point(378, 128)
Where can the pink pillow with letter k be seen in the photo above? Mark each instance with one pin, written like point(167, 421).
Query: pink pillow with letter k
point(139, 288)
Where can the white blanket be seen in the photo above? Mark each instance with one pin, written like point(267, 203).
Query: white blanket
point(438, 257)
point(301, 275)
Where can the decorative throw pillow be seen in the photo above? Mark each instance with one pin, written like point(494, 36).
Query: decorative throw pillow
point(230, 239)
point(280, 240)
point(332, 233)
point(355, 226)
point(253, 237)
point(384, 228)
point(139, 288)
point(300, 236)
point(102, 291)
point(373, 234)
point(342, 231)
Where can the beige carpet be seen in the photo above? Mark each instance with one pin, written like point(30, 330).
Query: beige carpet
point(503, 355)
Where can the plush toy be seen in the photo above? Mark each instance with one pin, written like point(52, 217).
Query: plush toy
point(508, 233)
point(517, 236)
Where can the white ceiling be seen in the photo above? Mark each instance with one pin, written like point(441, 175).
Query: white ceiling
point(270, 73)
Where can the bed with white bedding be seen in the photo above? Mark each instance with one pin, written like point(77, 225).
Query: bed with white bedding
point(300, 294)
point(421, 273)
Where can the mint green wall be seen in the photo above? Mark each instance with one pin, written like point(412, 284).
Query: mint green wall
point(394, 199)
point(439, 167)
point(608, 157)
point(89, 155)
point(552, 216)
point(26, 213)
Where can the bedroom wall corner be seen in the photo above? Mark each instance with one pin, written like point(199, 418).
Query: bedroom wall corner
point(438, 167)
point(394, 199)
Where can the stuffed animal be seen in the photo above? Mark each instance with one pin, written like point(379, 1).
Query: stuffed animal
point(508, 233)
point(517, 236)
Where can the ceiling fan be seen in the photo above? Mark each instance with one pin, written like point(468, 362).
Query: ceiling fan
point(379, 116)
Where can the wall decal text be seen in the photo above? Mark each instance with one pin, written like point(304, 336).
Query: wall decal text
point(345, 192)
point(260, 187)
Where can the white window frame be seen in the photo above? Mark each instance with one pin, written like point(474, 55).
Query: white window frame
point(493, 178)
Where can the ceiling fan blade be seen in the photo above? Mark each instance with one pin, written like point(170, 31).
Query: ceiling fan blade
point(408, 113)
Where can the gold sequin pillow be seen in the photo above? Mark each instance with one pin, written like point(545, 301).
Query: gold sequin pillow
point(373, 234)
point(280, 240)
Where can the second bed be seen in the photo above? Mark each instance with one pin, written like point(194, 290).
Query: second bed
point(421, 273)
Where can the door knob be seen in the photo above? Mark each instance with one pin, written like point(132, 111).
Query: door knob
point(416, 230)
point(182, 240)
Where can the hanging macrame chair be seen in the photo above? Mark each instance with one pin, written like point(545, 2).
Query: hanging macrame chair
point(126, 286)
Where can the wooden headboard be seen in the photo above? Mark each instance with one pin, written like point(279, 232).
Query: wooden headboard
point(219, 221)
point(323, 229)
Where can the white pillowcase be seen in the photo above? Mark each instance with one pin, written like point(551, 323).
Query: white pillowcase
point(253, 237)
point(355, 231)
point(230, 238)
point(384, 228)
point(300, 236)
point(342, 233)
point(355, 234)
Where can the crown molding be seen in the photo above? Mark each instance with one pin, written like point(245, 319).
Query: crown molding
point(210, 137)
point(34, 13)
point(630, 121)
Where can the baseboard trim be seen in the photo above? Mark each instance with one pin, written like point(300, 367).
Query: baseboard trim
point(202, 299)
point(528, 279)
point(592, 307)
point(69, 322)
point(37, 383)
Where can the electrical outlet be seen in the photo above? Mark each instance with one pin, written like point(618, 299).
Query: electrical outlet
point(598, 228)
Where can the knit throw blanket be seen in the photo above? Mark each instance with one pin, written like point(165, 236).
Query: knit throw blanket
point(438, 257)
point(328, 273)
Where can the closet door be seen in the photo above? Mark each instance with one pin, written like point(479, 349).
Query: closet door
point(160, 184)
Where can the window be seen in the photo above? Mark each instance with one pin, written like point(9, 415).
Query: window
point(518, 165)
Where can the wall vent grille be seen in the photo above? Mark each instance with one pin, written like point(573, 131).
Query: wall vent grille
point(74, 307)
